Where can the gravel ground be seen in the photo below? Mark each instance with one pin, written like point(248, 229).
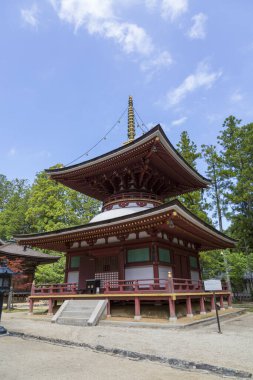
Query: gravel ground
point(232, 349)
point(26, 359)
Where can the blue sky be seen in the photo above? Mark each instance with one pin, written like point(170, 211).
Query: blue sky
point(67, 68)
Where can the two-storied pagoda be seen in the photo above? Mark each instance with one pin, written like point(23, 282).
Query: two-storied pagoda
point(137, 236)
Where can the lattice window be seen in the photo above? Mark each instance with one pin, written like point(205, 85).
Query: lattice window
point(111, 277)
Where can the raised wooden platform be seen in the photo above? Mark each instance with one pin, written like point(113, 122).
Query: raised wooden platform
point(139, 290)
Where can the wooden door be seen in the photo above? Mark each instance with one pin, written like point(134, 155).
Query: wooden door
point(184, 267)
point(177, 266)
point(181, 269)
point(87, 271)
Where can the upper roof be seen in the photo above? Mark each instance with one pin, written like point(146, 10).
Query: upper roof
point(14, 250)
point(151, 157)
point(185, 226)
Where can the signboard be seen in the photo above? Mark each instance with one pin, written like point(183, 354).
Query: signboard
point(212, 285)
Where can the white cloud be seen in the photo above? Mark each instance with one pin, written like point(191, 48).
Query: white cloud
point(30, 16)
point(180, 121)
point(169, 9)
point(202, 77)
point(98, 17)
point(160, 61)
point(198, 29)
point(172, 9)
point(236, 97)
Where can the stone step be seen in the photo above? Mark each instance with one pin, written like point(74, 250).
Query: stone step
point(72, 321)
point(76, 314)
point(80, 313)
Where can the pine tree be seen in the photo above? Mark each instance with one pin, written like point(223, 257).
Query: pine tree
point(217, 190)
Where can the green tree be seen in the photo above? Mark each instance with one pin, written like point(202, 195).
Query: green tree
point(217, 190)
point(237, 266)
point(6, 189)
point(237, 155)
point(14, 206)
point(53, 206)
point(212, 264)
point(194, 200)
point(51, 273)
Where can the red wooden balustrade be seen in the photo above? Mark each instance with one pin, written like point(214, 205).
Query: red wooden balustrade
point(45, 289)
point(154, 285)
point(170, 285)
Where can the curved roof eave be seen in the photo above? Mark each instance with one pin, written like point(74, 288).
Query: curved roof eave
point(174, 205)
point(157, 131)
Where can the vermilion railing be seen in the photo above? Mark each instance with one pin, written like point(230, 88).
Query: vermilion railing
point(187, 285)
point(45, 289)
point(171, 285)
point(151, 285)
point(154, 285)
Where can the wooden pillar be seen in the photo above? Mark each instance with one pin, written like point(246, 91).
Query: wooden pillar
point(213, 310)
point(222, 303)
point(108, 309)
point(189, 307)
point(155, 261)
point(31, 302)
point(172, 309)
point(50, 307)
point(202, 305)
point(137, 309)
point(230, 301)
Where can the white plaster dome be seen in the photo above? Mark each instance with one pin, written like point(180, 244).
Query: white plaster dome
point(116, 213)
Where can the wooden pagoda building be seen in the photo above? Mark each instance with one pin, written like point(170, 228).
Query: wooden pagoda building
point(25, 261)
point(139, 237)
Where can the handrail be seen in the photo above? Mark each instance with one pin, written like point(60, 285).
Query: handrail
point(170, 285)
point(64, 288)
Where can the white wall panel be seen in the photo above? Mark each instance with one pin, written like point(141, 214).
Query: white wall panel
point(163, 272)
point(140, 273)
point(73, 277)
point(194, 275)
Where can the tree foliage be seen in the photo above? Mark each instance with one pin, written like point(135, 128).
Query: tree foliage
point(51, 273)
point(237, 155)
point(13, 207)
point(194, 200)
point(53, 206)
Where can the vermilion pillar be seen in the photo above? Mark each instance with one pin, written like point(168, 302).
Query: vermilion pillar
point(221, 303)
point(31, 306)
point(137, 308)
point(50, 307)
point(172, 308)
point(212, 304)
point(189, 307)
point(202, 305)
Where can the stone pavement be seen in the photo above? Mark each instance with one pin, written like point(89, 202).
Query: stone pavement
point(231, 349)
point(28, 360)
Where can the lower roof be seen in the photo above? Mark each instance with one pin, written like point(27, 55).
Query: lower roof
point(14, 250)
point(185, 226)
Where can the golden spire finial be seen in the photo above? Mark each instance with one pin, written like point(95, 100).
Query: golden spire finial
point(131, 126)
